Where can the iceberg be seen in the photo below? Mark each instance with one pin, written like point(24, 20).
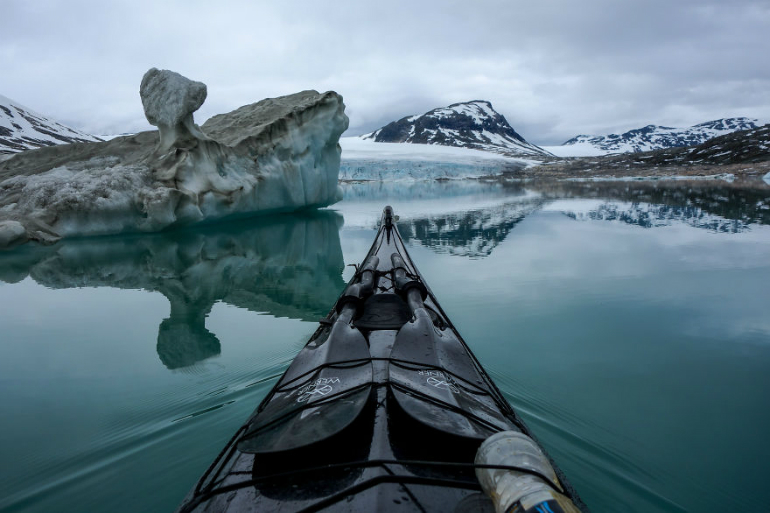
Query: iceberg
point(279, 154)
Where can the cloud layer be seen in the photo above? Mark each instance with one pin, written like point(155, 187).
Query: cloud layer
point(553, 68)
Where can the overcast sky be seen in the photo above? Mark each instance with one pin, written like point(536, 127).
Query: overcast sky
point(554, 69)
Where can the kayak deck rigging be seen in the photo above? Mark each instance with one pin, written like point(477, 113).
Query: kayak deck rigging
point(383, 409)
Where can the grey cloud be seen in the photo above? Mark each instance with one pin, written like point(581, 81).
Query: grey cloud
point(553, 68)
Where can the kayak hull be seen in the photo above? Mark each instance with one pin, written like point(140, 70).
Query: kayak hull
point(383, 409)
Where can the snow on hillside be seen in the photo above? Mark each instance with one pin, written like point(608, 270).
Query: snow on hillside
point(23, 129)
point(357, 148)
point(472, 124)
point(653, 137)
point(364, 159)
point(575, 150)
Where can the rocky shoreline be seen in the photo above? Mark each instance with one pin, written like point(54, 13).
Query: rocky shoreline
point(742, 157)
point(588, 169)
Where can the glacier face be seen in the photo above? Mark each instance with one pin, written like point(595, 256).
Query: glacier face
point(366, 160)
point(280, 154)
point(398, 170)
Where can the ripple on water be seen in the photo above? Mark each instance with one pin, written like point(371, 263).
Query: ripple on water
point(597, 465)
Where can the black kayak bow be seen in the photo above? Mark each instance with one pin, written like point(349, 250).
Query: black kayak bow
point(383, 409)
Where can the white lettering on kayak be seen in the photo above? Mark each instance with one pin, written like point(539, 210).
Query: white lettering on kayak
point(440, 380)
point(319, 387)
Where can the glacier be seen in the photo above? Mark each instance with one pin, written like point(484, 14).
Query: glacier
point(279, 154)
point(366, 160)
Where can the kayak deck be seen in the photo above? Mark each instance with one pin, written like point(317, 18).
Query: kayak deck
point(382, 410)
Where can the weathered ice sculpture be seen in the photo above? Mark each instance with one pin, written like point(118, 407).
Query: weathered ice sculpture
point(279, 154)
point(169, 100)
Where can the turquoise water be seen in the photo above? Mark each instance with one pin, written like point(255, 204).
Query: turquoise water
point(627, 323)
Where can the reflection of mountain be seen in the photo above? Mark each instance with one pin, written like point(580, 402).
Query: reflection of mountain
point(472, 233)
point(652, 216)
point(721, 207)
point(288, 266)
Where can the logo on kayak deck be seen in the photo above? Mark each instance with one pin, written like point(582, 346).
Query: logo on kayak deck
point(319, 387)
point(439, 380)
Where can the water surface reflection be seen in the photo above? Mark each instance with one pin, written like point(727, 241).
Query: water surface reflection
point(720, 207)
point(634, 341)
point(287, 266)
point(472, 218)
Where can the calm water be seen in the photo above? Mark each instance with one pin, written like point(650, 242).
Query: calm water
point(627, 323)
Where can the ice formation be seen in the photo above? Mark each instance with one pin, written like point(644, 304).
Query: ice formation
point(169, 100)
point(279, 154)
point(365, 160)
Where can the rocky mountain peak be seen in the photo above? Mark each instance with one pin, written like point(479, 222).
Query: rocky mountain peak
point(473, 124)
point(22, 129)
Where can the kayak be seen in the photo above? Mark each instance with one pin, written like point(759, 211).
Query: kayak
point(385, 409)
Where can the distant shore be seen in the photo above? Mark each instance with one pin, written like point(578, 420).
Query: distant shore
point(601, 169)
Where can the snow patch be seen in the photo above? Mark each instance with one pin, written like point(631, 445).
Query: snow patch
point(576, 150)
point(727, 177)
point(357, 148)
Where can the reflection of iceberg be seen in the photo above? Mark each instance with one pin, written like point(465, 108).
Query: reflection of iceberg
point(183, 341)
point(721, 208)
point(288, 266)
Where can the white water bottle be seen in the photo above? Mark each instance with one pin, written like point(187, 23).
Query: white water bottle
point(515, 491)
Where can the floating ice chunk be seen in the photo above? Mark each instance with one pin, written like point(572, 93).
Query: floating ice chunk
point(280, 154)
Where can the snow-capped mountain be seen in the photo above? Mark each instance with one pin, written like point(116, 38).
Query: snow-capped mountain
point(24, 129)
point(653, 137)
point(472, 124)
